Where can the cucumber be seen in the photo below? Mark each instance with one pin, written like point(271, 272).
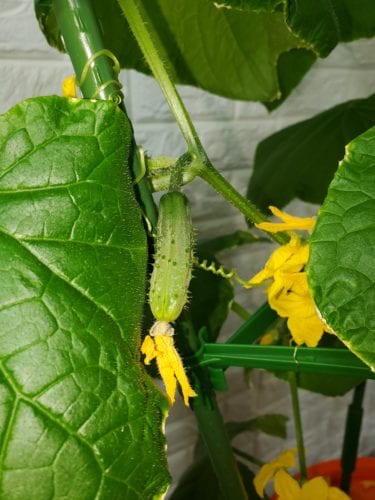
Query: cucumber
point(173, 262)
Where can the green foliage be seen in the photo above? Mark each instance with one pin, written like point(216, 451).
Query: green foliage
point(200, 482)
point(266, 47)
point(245, 67)
point(341, 264)
point(77, 407)
point(228, 242)
point(211, 297)
point(300, 161)
point(273, 425)
point(321, 24)
point(255, 5)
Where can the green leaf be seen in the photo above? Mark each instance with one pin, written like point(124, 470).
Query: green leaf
point(252, 35)
point(320, 24)
point(77, 409)
point(300, 161)
point(211, 297)
point(334, 385)
point(199, 482)
point(229, 242)
point(255, 5)
point(341, 268)
point(323, 24)
point(273, 425)
point(245, 67)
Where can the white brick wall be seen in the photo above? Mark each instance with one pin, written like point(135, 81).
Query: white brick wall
point(230, 131)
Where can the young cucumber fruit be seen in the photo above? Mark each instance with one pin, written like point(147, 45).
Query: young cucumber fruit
point(171, 273)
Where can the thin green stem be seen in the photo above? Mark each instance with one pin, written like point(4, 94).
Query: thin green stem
point(246, 456)
point(157, 59)
point(298, 425)
point(240, 310)
point(222, 186)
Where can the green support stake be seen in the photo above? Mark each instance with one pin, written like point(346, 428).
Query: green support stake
point(213, 432)
point(97, 75)
point(96, 70)
point(351, 437)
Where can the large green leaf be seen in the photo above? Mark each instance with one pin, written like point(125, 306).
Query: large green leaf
point(77, 409)
point(255, 5)
point(225, 51)
point(199, 482)
point(229, 241)
point(242, 49)
point(272, 424)
point(341, 267)
point(321, 24)
point(300, 161)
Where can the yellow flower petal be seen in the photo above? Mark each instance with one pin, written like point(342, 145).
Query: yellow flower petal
point(290, 297)
point(289, 222)
point(308, 331)
point(69, 87)
point(336, 494)
point(314, 489)
point(148, 349)
point(291, 257)
point(169, 363)
point(161, 347)
point(267, 471)
point(287, 487)
point(269, 337)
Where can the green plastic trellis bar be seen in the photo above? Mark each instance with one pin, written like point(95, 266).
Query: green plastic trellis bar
point(240, 350)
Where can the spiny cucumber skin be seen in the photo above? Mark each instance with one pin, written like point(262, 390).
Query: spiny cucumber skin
point(171, 273)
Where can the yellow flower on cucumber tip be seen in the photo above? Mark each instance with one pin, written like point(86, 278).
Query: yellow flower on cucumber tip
point(159, 345)
point(289, 222)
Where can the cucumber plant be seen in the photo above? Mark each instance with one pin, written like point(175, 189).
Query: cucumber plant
point(80, 417)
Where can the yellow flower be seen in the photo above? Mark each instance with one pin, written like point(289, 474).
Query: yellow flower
point(289, 222)
point(291, 257)
point(269, 337)
point(290, 297)
point(69, 87)
point(267, 471)
point(159, 344)
point(288, 291)
point(317, 488)
point(287, 487)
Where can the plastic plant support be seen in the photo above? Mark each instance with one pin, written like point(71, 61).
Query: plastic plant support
point(274, 358)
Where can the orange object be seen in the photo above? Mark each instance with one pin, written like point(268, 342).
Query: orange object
point(363, 478)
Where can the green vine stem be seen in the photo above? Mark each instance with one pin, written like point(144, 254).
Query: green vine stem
point(240, 310)
point(157, 59)
point(298, 425)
